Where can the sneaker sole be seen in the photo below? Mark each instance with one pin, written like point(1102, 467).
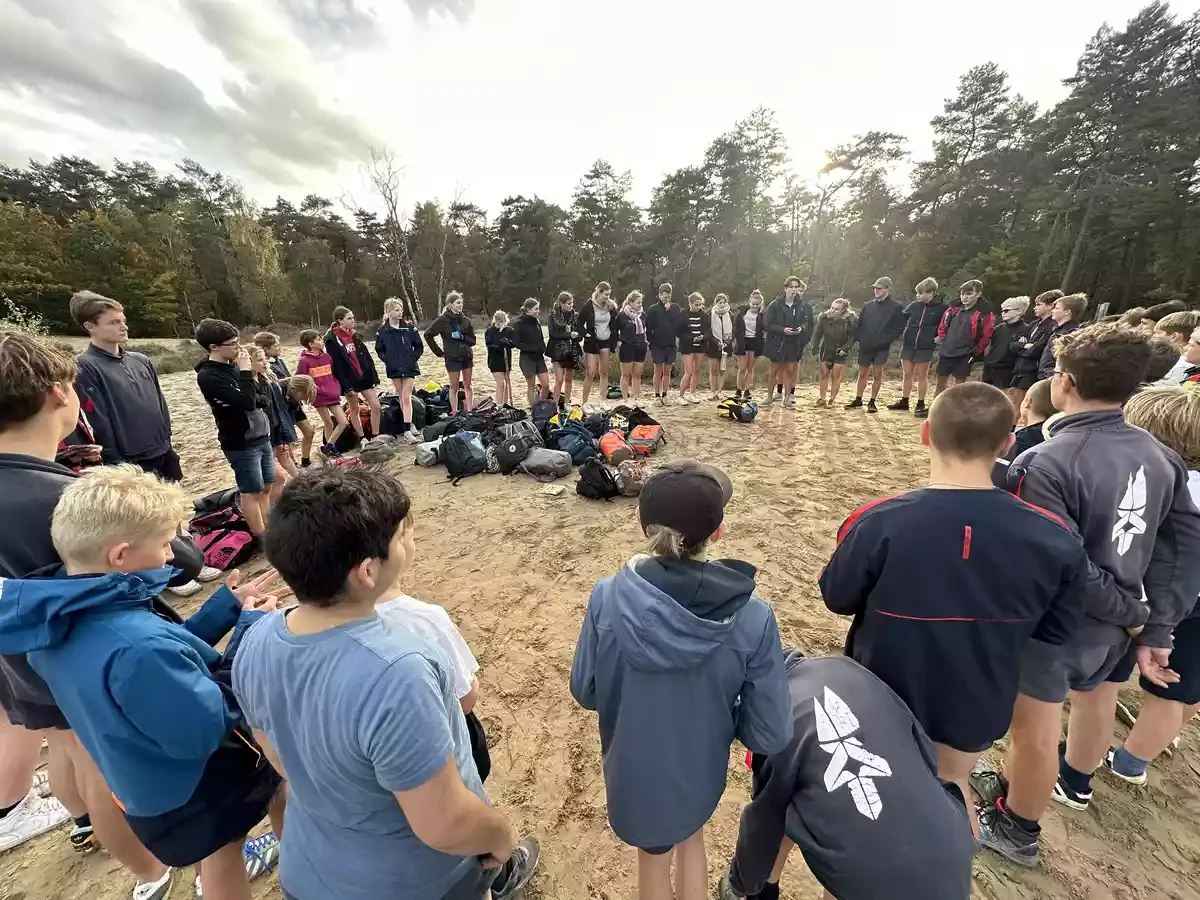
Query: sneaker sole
point(1025, 862)
point(1136, 780)
point(1059, 797)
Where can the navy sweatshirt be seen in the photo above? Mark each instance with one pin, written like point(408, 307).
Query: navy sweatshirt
point(945, 587)
point(124, 404)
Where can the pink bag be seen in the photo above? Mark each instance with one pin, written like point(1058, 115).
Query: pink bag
point(224, 537)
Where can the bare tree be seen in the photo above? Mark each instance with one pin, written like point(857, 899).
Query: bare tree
point(386, 175)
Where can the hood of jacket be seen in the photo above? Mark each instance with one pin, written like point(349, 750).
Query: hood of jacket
point(671, 614)
point(37, 613)
point(1085, 421)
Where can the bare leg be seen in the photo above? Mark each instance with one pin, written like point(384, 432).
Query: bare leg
point(922, 375)
point(223, 875)
point(864, 373)
point(63, 780)
point(635, 380)
point(654, 876)
point(751, 371)
point(1158, 723)
point(405, 390)
point(1032, 765)
point(626, 380)
point(568, 383)
point(275, 488)
point(603, 374)
point(283, 456)
point(352, 413)
point(876, 380)
point(591, 363)
point(340, 420)
point(836, 379)
point(372, 398)
point(790, 374)
point(785, 847)
point(276, 810)
point(954, 766)
point(691, 869)
point(940, 384)
point(1017, 396)
point(254, 507)
point(1089, 728)
point(823, 382)
point(19, 750)
point(529, 382)
point(544, 386)
point(306, 438)
point(467, 386)
point(455, 377)
point(906, 366)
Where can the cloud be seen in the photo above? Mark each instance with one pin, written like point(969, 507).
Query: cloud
point(67, 58)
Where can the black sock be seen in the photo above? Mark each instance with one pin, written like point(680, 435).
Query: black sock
point(1079, 782)
point(84, 821)
point(4, 811)
point(768, 892)
point(305, 462)
point(1029, 825)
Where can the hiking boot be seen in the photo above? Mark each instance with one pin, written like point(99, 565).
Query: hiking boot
point(988, 784)
point(856, 403)
point(518, 871)
point(920, 412)
point(871, 407)
point(1128, 779)
point(1069, 798)
point(1000, 833)
point(900, 405)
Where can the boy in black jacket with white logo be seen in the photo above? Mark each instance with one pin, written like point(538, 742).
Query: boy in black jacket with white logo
point(948, 583)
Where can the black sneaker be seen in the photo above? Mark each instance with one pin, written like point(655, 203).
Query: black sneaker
point(1000, 833)
point(988, 784)
point(856, 403)
point(83, 839)
point(1067, 797)
point(518, 871)
point(329, 451)
point(871, 407)
point(921, 412)
point(900, 405)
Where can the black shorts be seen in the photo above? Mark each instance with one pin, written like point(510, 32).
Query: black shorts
point(165, 467)
point(26, 699)
point(750, 345)
point(716, 351)
point(1023, 382)
point(595, 345)
point(663, 355)
point(873, 357)
point(787, 353)
point(297, 412)
point(632, 353)
point(233, 796)
point(532, 364)
point(459, 365)
point(956, 366)
point(1185, 660)
point(997, 376)
point(913, 355)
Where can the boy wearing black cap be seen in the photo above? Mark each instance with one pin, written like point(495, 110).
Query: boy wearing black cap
point(679, 657)
point(991, 570)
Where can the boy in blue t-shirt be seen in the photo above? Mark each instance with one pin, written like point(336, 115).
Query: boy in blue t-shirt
point(385, 802)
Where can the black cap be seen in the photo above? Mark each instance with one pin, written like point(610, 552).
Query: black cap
point(688, 497)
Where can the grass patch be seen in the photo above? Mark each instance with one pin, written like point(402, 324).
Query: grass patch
point(168, 357)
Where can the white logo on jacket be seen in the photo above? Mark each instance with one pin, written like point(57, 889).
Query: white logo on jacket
point(1131, 512)
point(836, 724)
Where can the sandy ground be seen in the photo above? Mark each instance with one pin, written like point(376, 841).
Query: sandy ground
point(514, 568)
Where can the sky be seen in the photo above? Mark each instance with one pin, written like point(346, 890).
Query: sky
point(483, 99)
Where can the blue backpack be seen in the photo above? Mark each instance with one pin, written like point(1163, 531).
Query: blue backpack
point(575, 439)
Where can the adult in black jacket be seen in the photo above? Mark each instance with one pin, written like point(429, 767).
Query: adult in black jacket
point(1068, 311)
point(530, 340)
point(498, 338)
point(1031, 346)
point(789, 327)
point(749, 327)
point(354, 369)
point(888, 826)
point(563, 347)
point(1000, 361)
point(880, 322)
point(458, 336)
point(663, 321)
point(695, 332)
point(631, 352)
point(921, 320)
point(398, 344)
point(243, 425)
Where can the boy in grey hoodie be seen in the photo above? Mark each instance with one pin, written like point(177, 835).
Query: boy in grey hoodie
point(1126, 496)
point(679, 657)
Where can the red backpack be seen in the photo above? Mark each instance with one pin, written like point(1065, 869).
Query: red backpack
point(222, 532)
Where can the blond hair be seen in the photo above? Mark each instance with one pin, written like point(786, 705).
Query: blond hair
point(926, 286)
point(500, 319)
point(664, 541)
point(115, 504)
point(633, 296)
point(696, 300)
point(1179, 325)
point(1018, 303)
point(393, 303)
point(1172, 415)
point(253, 350)
point(302, 388)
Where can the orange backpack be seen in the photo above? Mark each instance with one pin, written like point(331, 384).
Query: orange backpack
point(645, 440)
point(614, 448)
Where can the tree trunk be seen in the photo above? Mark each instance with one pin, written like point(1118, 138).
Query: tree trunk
point(1076, 259)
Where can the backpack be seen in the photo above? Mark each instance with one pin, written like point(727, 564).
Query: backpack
point(737, 410)
point(631, 475)
point(614, 392)
point(485, 406)
point(429, 453)
point(614, 448)
point(493, 464)
point(464, 456)
point(543, 411)
point(378, 450)
point(511, 453)
point(576, 440)
point(521, 427)
point(645, 440)
point(444, 428)
point(596, 481)
point(546, 465)
point(391, 419)
point(221, 532)
point(597, 425)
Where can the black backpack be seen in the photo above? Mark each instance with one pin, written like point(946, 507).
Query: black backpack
point(596, 481)
point(442, 428)
point(511, 453)
point(543, 411)
point(635, 416)
point(463, 456)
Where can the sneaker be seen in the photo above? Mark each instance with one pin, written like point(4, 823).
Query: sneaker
point(261, 854)
point(208, 573)
point(856, 403)
point(726, 891)
point(410, 437)
point(921, 412)
point(820, 404)
point(790, 402)
point(659, 400)
point(330, 451)
point(1069, 798)
point(988, 784)
point(900, 405)
point(83, 840)
point(692, 398)
point(714, 396)
point(31, 817)
point(746, 395)
point(682, 401)
point(1001, 834)
point(1128, 779)
point(871, 407)
point(153, 890)
point(518, 871)
point(186, 589)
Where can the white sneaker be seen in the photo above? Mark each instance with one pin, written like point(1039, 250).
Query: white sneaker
point(692, 398)
point(153, 890)
point(186, 589)
point(659, 401)
point(714, 396)
point(208, 573)
point(32, 816)
point(682, 401)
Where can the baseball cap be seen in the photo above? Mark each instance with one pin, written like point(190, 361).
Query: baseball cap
point(883, 282)
point(688, 497)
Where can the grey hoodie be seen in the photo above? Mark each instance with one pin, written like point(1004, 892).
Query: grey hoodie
point(679, 658)
point(1126, 495)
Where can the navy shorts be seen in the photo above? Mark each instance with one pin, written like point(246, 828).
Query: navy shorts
point(254, 467)
point(459, 365)
point(1023, 382)
point(1185, 660)
point(593, 346)
point(662, 355)
point(1051, 671)
point(750, 345)
point(873, 357)
point(632, 353)
point(232, 797)
point(165, 467)
point(913, 355)
point(956, 366)
point(532, 364)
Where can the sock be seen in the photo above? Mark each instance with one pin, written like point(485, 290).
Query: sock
point(1079, 782)
point(84, 821)
point(305, 462)
point(5, 810)
point(1128, 764)
point(1028, 825)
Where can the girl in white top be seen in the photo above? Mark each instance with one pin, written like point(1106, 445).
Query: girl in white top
point(720, 344)
point(598, 325)
point(748, 342)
